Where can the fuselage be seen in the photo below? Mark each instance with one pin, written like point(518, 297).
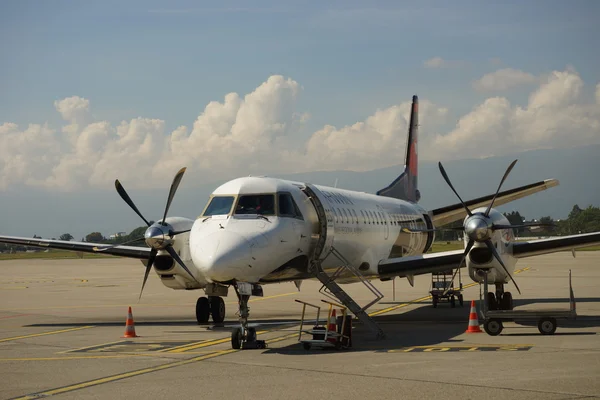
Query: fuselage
point(260, 229)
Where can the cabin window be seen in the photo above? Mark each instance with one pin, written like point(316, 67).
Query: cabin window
point(219, 205)
point(261, 204)
point(288, 207)
point(355, 216)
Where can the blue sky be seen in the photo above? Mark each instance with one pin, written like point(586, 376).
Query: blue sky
point(169, 59)
point(493, 78)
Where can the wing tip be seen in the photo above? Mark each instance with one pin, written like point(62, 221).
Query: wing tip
point(551, 182)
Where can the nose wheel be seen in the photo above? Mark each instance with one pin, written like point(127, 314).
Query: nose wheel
point(244, 337)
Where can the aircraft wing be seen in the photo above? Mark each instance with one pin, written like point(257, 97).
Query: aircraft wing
point(142, 253)
point(420, 264)
point(552, 245)
point(448, 214)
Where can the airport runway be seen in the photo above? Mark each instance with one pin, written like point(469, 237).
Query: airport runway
point(61, 323)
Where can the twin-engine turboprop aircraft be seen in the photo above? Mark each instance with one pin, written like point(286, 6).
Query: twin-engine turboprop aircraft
point(260, 230)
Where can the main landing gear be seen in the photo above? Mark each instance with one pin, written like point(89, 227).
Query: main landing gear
point(244, 337)
point(501, 300)
point(212, 306)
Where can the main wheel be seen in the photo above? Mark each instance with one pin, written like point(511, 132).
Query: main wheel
point(507, 301)
point(493, 327)
point(236, 339)
point(547, 326)
point(491, 300)
point(202, 310)
point(217, 308)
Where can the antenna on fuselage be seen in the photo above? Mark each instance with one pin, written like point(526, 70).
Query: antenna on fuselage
point(335, 184)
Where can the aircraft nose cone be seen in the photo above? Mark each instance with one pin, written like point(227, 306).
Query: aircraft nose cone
point(477, 228)
point(222, 255)
point(154, 237)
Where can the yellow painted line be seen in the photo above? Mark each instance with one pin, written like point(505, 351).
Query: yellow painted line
point(389, 309)
point(73, 357)
point(45, 333)
point(195, 346)
point(90, 347)
point(95, 382)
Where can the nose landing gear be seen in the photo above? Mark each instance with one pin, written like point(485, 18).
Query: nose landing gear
point(244, 337)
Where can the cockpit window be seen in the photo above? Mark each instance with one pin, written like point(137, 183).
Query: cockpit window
point(261, 204)
point(288, 207)
point(219, 205)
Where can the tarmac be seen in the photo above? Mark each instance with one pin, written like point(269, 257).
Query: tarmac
point(62, 322)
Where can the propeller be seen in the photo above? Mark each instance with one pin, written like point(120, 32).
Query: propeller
point(479, 226)
point(158, 236)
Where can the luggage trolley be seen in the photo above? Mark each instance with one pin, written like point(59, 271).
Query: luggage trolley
point(443, 289)
point(322, 336)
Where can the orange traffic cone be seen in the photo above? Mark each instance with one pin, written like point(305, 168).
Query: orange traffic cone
point(129, 326)
point(473, 320)
point(331, 326)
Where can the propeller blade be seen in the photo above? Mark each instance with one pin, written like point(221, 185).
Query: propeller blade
point(174, 186)
point(125, 196)
point(443, 171)
point(490, 246)
point(465, 253)
point(510, 167)
point(175, 256)
point(117, 245)
point(148, 268)
point(494, 227)
point(173, 233)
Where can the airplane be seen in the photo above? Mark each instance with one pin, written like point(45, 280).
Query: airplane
point(255, 231)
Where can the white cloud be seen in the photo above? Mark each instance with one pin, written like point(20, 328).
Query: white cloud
point(439, 62)
point(553, 118)
point(504, 79)
point(253, 134)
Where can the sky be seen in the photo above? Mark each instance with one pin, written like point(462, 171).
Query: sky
point(95, 90)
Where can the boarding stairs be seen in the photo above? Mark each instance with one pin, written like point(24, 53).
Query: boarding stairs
point(330, 288)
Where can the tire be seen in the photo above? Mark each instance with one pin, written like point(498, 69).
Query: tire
point(306, 346)
point(491, 300)
point(236, 339)
point(547, 326)
point(217, 308)
point(452, 302)
point(251, 335)
point(460, 300)
point(493, 327)
point(507, 301)
point(434, 300)
point(202, 310)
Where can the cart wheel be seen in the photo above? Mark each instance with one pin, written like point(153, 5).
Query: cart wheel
point(338, 345)
point(547, 326)
point(306, 346)
point(460, 299)
point(434, 299)
point(452, 302)
point(493, 327)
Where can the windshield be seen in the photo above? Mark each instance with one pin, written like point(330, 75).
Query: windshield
point(261, 204)
point(219, 205)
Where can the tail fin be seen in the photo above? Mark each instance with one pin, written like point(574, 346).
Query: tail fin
point(405, 186)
